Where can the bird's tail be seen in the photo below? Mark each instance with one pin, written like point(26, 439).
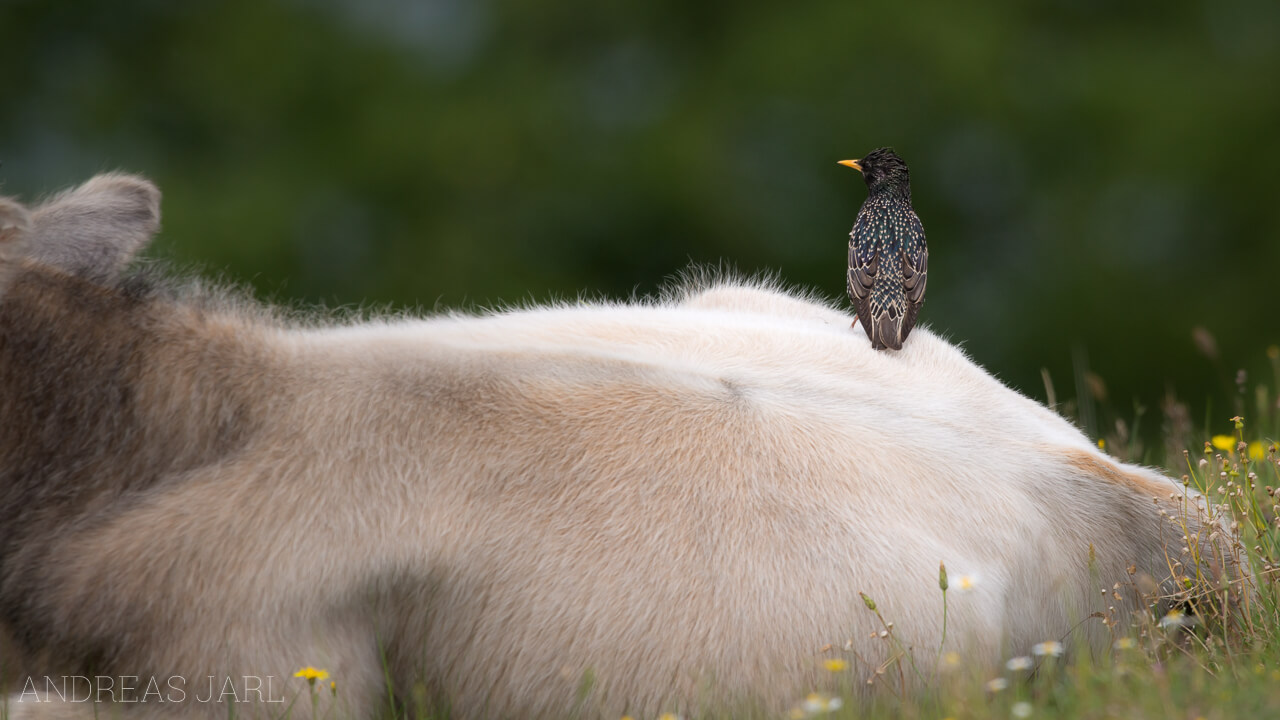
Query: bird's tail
point(886, 330)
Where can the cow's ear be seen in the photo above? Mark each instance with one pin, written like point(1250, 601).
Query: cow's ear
point(96, 229)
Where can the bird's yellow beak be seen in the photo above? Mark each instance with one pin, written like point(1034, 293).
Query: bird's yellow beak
point(853, 164)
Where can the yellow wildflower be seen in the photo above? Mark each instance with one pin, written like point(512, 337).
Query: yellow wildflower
point(834, 664)
point(1224, 442)
point(965, 583)
point(311, 674)
point(1256, 451)
point(1126, 643)
point(1102, 444)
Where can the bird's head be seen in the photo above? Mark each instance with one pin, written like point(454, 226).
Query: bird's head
point(884, 171)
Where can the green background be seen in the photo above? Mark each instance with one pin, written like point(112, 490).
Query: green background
point(1096, 179)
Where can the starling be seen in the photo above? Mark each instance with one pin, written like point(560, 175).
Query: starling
point(888, 258)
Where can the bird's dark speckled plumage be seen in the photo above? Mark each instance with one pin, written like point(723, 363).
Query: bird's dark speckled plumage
point(888, 257)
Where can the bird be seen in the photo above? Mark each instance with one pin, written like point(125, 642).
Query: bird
point(888, 257)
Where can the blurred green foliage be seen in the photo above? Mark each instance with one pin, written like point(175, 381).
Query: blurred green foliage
point(1094, 177)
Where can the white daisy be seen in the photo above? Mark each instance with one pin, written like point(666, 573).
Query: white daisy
point(1020, 663)
point(1048, 647)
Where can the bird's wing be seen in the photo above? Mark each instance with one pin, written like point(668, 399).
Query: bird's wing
point(863, 261)
point(915, 272)
point(864, 265)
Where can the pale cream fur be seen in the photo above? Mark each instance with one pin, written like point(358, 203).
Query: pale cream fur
point(682, 498)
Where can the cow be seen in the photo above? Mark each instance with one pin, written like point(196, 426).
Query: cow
point(584, 508)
